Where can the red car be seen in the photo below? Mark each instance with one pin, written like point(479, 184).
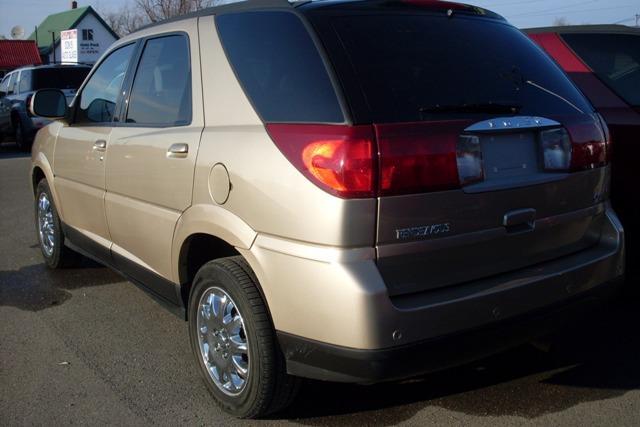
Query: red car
point(604, 62)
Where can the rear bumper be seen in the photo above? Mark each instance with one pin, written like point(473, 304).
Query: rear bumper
point(336, 320)
point(312, 359)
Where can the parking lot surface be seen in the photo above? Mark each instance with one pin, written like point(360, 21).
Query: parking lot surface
point(85, 346)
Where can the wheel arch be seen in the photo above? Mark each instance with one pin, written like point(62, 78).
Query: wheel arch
point(41, 169)
point(205, 233)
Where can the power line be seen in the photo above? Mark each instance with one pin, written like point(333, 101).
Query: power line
point(541, 12)
point(572, 12)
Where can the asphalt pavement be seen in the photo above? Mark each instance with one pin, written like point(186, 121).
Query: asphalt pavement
point(84, 346)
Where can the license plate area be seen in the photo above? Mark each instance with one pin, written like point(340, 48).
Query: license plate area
point(511, 160)
point(509, 156)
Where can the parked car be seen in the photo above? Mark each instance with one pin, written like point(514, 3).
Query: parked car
point(604, 62)
point(354, 191)
point(17, 88)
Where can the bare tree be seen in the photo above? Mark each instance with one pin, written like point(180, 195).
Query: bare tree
point(142, 12)
point(561, 22)
point(157, 10)
point(124, 21)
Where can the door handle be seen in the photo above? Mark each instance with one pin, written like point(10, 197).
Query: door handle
point(100, 145)
point(179, 150)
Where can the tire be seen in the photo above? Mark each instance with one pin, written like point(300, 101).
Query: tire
point(267, 388)
point(56, 254)
point(23, 143)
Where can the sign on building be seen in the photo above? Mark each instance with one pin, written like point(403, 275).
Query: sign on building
point(69, 45)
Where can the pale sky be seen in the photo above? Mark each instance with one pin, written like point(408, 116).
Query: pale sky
point(521, 13)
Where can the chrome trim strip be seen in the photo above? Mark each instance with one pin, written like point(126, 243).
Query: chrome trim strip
point(510, 123)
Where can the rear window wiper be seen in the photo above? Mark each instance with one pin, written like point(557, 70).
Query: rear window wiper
point(488, 107)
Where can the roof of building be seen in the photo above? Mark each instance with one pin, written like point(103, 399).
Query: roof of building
point(17, 53)
point(63, 21)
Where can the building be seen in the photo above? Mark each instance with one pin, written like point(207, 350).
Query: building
point(17, 53)
point(94, 34)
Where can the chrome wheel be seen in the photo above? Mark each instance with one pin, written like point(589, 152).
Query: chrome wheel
point(46, 225)
point(223, 342)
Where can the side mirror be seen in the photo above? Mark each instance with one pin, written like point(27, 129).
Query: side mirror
point(49, 103)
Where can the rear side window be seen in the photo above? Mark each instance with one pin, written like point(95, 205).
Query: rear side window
point(279, 67)
point(615, 58)
point(422, 66)
point(161, 93)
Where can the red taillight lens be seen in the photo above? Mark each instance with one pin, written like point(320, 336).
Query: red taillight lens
point(338, 158)
point(418, 157)
point(588, 145)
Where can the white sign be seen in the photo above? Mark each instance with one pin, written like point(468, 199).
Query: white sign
point(69, 44)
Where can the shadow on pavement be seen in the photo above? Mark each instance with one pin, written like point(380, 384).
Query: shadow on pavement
point(9, 150)
point(595, 360)
point(36, 287)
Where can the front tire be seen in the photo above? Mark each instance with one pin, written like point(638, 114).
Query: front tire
point(234, 343)
point(49, 229)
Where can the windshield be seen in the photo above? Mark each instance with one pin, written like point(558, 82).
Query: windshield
point(425, 66)
point(59, 78)
point(615, 58)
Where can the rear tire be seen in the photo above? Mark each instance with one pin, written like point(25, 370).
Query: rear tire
point(265, 387)
point(49, 231)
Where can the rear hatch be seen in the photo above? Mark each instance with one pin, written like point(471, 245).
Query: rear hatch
point(68, 79)
point(489, 159)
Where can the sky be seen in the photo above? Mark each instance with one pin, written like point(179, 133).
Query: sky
point(521, 13)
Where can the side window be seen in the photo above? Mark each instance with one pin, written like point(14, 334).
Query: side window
point(12, 83)
point(161, 92)
point(25, 81)
point(615, 58)
point(99, 96)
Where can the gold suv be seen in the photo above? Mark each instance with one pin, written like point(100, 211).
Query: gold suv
point(354, 191)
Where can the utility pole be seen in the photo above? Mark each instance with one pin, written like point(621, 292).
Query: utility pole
point(637, 19)
point(53, 45)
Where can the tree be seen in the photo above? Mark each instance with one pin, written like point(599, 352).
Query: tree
point(124, 21)
point(143, 12)
point(561, 22)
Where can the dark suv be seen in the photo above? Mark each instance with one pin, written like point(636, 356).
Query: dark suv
point(16, 90)
point(604, 62)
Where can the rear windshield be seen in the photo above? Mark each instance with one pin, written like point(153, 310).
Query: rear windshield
point(279, 67)
point(59, 78)
point(424, 66)
point(615, 58)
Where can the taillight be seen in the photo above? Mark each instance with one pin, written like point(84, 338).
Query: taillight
point(409, 158)
point(338, 158)
point(469, 159)
point(556, 149)
point(418, 157)
point(588, 145)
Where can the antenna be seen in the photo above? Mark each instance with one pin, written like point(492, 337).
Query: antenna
point(17, 32)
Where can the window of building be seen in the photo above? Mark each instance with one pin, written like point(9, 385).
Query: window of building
point(87, 34)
